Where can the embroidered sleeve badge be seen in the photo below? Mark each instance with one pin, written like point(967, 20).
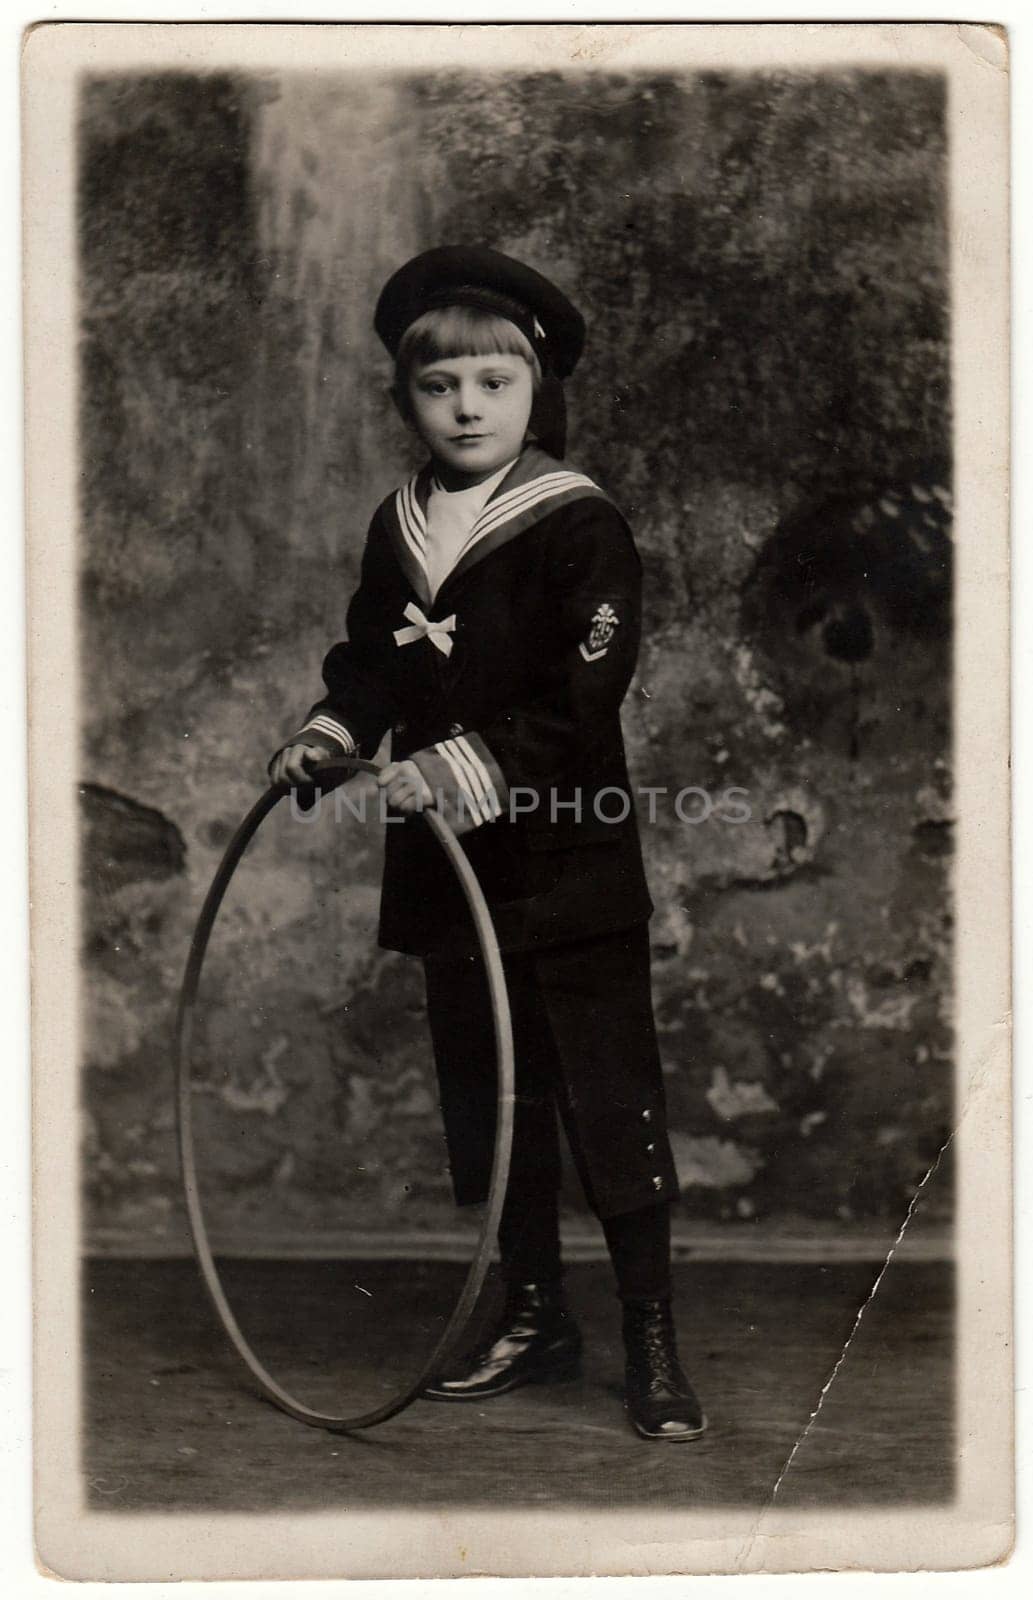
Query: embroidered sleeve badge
point(600, 633)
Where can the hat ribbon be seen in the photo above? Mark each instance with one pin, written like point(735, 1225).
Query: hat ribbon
point(436, 632)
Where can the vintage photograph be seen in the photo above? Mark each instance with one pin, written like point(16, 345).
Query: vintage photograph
point(517, 1014)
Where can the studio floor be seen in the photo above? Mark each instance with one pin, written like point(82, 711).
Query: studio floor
point(172, 1421)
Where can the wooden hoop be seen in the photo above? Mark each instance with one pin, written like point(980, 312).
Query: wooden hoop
point(339, 768)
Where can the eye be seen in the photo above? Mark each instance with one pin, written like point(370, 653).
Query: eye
point(434, 386)
point(495, 383)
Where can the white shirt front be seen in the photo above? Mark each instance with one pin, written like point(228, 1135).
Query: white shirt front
point(451, 517)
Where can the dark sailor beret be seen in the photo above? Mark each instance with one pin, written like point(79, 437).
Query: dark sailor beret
point(479, 276)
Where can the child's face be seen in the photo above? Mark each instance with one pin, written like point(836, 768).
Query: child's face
point(472, 411)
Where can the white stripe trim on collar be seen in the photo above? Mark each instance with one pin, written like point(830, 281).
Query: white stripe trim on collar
point(496, 513)
point(499, 512)
point(527, 494)
point(412, 521)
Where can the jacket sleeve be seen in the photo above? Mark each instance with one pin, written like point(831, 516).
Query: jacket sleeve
point(595, 607)
point(358, 708)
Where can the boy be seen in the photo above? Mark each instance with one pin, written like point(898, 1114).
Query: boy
point(495, 632)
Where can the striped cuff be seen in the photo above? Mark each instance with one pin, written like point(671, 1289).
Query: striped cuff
point(465, 780)
point(473, 778)
point(327, 728)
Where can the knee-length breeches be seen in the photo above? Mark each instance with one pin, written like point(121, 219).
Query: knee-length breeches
point(585, 1045)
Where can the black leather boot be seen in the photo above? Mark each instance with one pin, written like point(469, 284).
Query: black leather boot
point(535, 1341)
point(658, 1397)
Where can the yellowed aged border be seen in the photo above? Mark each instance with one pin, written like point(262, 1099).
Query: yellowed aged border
point(976, 1529)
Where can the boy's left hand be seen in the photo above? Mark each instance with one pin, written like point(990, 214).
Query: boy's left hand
point(405, 787)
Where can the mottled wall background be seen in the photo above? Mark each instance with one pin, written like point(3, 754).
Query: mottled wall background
point(762, 263)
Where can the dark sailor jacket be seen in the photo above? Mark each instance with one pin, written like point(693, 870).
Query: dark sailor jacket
point(506, 692)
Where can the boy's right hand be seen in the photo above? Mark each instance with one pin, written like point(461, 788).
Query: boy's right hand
point(293, 764)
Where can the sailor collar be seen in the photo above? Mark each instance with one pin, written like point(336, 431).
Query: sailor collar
point(534, 487)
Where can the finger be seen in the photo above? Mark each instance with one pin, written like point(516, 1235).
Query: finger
point(297, 771)
point(387, 774)
point(278, 770)
point(402, 795)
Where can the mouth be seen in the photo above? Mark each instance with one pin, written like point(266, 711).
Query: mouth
point(468, 438)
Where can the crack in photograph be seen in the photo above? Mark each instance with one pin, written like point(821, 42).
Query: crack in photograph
point(543, 478)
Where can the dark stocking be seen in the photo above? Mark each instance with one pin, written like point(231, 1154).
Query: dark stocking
point(640, 1249)
point(529, 1235)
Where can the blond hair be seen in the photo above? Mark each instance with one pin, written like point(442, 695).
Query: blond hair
point(447, 332)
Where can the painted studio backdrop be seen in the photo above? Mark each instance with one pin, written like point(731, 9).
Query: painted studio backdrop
point(762, 263)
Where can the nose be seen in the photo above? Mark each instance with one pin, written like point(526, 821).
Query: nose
point(467, 402)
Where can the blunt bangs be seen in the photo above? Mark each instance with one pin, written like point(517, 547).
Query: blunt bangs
point(449, 332)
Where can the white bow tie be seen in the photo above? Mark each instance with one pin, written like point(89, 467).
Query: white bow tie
point(436, 632)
